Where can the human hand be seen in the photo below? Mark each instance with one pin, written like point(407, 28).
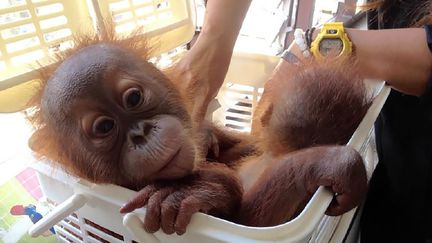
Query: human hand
point(201, 71)
point(213, 189)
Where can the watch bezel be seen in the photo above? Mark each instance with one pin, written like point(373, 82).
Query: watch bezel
point(335, 31)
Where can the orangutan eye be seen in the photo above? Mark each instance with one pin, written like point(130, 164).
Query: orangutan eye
point(103, 125)
point(132, 98)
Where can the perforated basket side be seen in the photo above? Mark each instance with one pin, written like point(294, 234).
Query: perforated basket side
point(242, 89)
point(30, 30)
point(169, 23)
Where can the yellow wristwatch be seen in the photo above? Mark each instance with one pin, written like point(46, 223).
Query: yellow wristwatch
point(331, 42)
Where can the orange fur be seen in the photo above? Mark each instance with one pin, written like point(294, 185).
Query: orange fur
point(315, 104)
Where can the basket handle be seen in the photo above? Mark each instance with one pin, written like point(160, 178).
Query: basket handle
point(60, 212)
point(134, 225)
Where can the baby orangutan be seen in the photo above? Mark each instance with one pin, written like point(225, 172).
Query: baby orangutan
point(106, 114)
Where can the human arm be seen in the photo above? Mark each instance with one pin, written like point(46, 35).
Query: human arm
point(399, 56)
point(202, 70)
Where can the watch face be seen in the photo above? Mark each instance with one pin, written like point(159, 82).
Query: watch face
point(330, 47)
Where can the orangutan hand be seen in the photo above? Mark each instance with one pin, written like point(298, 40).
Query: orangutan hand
point(212, 189)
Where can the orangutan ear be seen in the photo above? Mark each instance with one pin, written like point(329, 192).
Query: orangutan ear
point(44, 146)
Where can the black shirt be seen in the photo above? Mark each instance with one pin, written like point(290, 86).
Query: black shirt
point(398, 207)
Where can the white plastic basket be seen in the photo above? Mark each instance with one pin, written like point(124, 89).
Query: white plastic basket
point(95, 208)
point(85, 212)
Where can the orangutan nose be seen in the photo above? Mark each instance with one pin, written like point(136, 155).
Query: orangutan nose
point(139, 132)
